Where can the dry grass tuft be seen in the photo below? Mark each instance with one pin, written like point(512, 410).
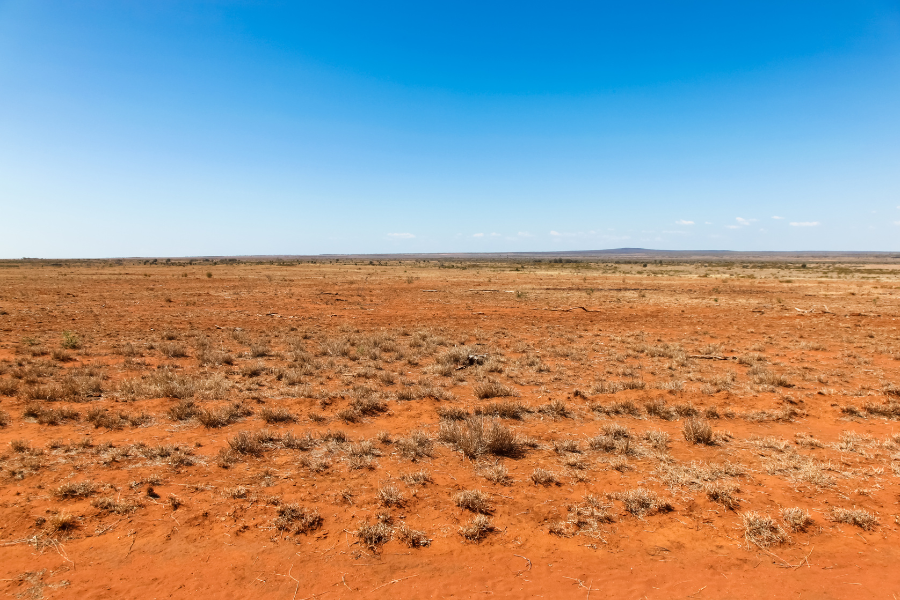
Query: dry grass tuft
point(544, 477)
point(796, 519)
point(416, 446)
point(473, 500)
point(119, 507)
point(277, 415)
point(477, 529)
point(389, 495)
point(857, 516)
point(698, 431)
point(723, 493)
point(416, 478)
point(641, 502)
point(411, 537)
point(493, 389)
point(762, 530)
point(373, 535)
point(293, 518)
point(71, 490)
point(476, 437)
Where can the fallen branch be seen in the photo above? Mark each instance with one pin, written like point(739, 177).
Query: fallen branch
point(529, 564)
point(393, 581)
point(711, 357)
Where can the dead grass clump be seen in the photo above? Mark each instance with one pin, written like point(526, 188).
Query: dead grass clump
point(797, 467)
point(50, 416)
point(493, 389)
point(293, 518)
point(111, 505)
point(503, 410)
point(475, 437)
point(563, 446)
point(20, 446)
point(544, 477)
point(246, 443)
point(224, 415)
point(497, 473)
point(887, 410)
point(698, 431)
point(8, 387)
point(612, 387)
point(697, 474)
point(473, 500)
point(373, 535)
point(555, 409)
point(416, 478)
point(585, 518)
point(723, 493)
point(658, 440)
point(416, 446)
point(857, 516)
point(641, 502)
point(453, 413)
point(183, 411)
point(623, 408)
point(658, 408)
point(277, 415)
point(762, 530)
point(763, 376)
point(113, 421)
point(796, 519)
point(389, 495)
point(368, 406)
point(411, 537)
point(477, 529)
point(305, 442)
point(71, 490)
point(62, 522)
point(4, 418)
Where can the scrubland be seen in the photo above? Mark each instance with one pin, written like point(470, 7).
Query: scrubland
point(424, 429)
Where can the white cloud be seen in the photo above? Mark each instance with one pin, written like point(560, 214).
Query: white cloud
point(778, 218)
point(804, 223)
point(732, 226)
point(896, 222)
point(401, 236)
point(477, 235)
point(683, 222)
point(742, 221)
point(707, 222)
point(554, 233)
point(495, 234)
point(524, 234)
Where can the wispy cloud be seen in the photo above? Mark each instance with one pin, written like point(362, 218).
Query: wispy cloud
point(683, 222)
point(401, 236)
point(477, 235)
point(778, 218)
point(495, 234)
point(555, 233)
point(804, 223)
point(743, 221)
point(524, 234)
point(732, 227)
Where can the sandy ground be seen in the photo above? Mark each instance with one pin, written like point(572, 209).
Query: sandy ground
point(107, 492)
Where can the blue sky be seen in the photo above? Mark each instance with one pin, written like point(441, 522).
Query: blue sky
point(198, 128)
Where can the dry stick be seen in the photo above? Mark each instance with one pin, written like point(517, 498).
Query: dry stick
point(529, 564)
point(394, 581)
point(806, 559)
point(785, 563)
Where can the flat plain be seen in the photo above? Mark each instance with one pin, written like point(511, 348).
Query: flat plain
point(450, 429)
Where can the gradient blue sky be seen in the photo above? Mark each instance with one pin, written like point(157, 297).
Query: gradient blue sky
point(197, 128)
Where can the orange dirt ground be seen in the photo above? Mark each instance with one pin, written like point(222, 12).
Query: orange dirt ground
point(803, 410)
